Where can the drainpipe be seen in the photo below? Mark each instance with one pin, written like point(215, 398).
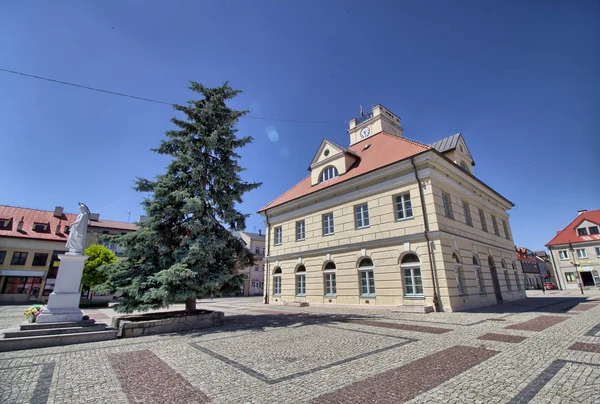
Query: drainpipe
point(580, 281)
point(436, 302)
point(555, 270)
point(268, 254)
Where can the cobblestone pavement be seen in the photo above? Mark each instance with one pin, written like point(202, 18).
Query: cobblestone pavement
point(545, 349)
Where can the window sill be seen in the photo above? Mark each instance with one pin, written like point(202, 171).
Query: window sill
point(334, 295)
point(301, 295)
point(277, 245)
point(363, 227)
point(416, 297)
point(404, 219)
point(301, 239)
point(368, 296)
point(329, 234)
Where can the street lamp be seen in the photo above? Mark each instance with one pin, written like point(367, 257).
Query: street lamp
point(579, 281)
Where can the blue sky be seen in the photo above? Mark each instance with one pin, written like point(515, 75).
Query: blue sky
point(519, 80)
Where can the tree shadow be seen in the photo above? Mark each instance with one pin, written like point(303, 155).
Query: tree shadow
point(540, 304)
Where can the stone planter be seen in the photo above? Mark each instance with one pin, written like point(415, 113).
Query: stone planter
point(164, 322)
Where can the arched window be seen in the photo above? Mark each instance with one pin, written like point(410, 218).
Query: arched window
point(491, 262)
point(411, 272)
point(367, 277)
point(514, 266)
point(503, 263)
point(277, 281)
point(476, 261)
point(478, 274)
point(328, 173)
point(301, 281)
point(458, 272)
point(464, 166)
point(329, 277)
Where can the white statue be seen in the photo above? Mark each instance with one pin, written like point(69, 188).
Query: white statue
point(77, 231)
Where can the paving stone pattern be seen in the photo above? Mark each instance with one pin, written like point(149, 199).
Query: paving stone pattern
point(526, 351)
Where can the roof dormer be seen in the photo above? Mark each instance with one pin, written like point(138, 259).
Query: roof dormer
point(587, 228)
point(330, 161)
point(455, 148)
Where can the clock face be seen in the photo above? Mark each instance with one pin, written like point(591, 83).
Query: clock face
point(365, 132)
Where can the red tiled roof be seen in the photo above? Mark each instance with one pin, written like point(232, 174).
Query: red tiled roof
point(384, 149)
point(569, 233)
point(522, 255)
point(31, 216)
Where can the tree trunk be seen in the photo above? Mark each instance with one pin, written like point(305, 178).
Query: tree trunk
point(190, 304)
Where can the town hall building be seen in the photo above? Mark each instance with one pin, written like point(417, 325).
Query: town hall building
point(388, 221)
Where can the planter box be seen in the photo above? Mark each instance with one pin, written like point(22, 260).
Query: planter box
point(164, 322)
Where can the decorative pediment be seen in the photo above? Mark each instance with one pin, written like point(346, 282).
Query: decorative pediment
point(330, 161)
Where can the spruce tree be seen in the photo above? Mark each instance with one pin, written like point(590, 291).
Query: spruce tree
point(185, 249)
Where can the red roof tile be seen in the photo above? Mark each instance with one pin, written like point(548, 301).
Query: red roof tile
point(569, 233)
point(31, 216)
point(384, 150)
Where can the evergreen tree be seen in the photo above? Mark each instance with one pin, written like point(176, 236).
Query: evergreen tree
point(185, 249)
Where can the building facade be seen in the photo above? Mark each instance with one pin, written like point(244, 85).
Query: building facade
point(533, 277)
point(254, 275)
point(575, 252)
point(390, 221)
point(31, 241)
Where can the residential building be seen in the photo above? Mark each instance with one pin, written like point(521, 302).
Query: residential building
point(30, 242)
point(575, 252)
point(545, 265)
point(534, 278)
point(391, 221)
point(253, 275)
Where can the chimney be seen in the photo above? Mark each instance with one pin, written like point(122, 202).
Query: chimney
point(94, 217)
point(20, 224)
point(579, 212)
point(57, 231)
point(259, 232)
point(58, 211)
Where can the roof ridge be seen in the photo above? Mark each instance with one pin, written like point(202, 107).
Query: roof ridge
point(39, 210)
point(423, 145)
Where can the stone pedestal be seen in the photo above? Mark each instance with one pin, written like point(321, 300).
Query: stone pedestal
point(63, 303)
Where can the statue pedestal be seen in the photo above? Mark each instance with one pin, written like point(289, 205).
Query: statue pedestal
point(63, 303)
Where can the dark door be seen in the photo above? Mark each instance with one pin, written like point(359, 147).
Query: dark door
point(495, 281)
point(587, 279)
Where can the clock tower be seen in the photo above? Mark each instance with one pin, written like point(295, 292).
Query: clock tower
point(378, 120)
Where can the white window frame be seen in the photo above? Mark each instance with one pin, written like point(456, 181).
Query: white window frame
point(300, 230)
point(459, 279)
point(597, 231)
point(483, 222)
point(361, 215)
point(403, 206)
point(467, 212)
point(368, 273)
point(582, 230)
point(278, 237)
point(563, 255)
point(277, 283)
point(329, 276)
point(301, 282)
point(328, 173)
point(581, 253)
point(328, 224)
point(447, 202)
point(411, 269)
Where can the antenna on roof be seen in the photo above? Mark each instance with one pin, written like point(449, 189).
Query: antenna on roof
point(128, 217)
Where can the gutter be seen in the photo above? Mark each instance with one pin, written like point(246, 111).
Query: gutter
point(436, 302)
point(267, 267)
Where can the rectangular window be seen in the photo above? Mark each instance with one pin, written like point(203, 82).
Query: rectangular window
point(517, 280)
point(507, 280)
point(581, 253)
point(277, 285)
point(257, 250)
point(300, 230)
point(39, 259)
point(367, 283)
point(413, 284)
point(40, 227)
point(495, 224)
point(256, 268)
point(362, 216)
point(564, 255)
point(459, 281)
point(2, 255)
point(482, 218)
point(278, 235)
point(330, 288)
point(301, 285)
point(594, 230)
point(327, 224)
point(570, 276)
point(582, 231)
point(505, 226)
point(403, 206)
point(480, 283)
point(597, 253)
point(447, 205)
point(18, 285)
point(19, 258)
point(467, 212)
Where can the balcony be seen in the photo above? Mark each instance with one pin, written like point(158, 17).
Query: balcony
point(363, 118)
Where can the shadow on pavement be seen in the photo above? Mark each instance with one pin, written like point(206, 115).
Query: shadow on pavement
point(540, 304)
